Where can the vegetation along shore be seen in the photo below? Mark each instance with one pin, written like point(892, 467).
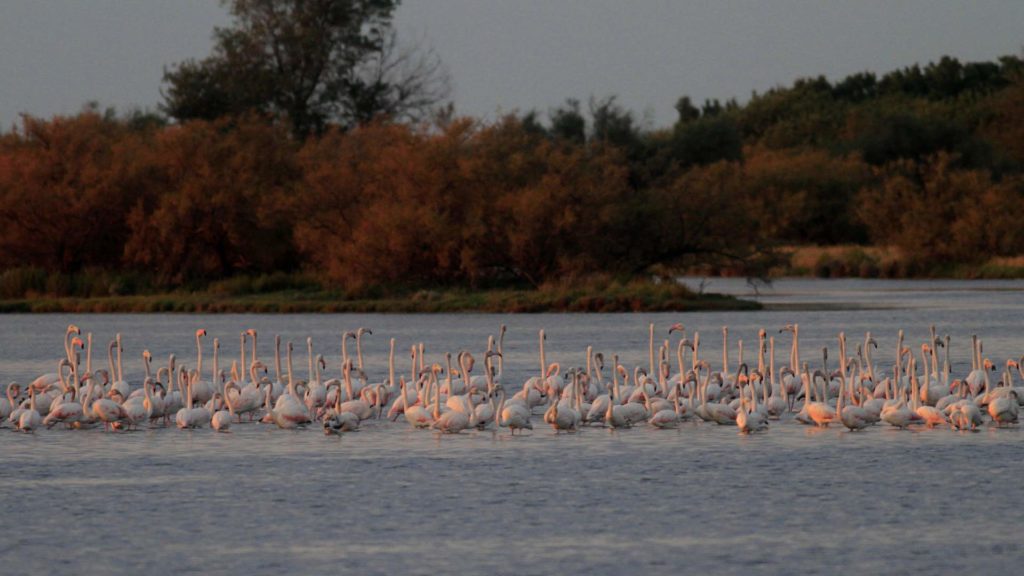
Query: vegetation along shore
point(916, 172)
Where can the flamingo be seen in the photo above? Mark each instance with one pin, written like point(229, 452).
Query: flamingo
point(418, 415)
point(790, 379)
point(501, 342)
point(65, 411)
point(8, 405)
point(221, 420)
point(513, 416)
point(616, 415)
point(189, 416)
point(44, 381)
point(853, 417)
point(898, 414)
point(486, 410)
point(249, 399)
point(30, 419)
point(202, 391)
point(718, 413)
point(670, 417)
point(453, 421)
point(1003, 408)
point(338, 422)
point(776, 404)
point(139, 409)
point(289, 410)
point(929, 413)
point(563, 417)
point(749, 419)
point(360, 407)
point(108, 411)
point(820, 412)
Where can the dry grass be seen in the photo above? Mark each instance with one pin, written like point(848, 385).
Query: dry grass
point(887, 262)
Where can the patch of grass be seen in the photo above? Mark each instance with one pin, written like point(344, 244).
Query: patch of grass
point(589, 295)
point(882, 262)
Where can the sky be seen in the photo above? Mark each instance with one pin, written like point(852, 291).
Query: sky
point(505, 55)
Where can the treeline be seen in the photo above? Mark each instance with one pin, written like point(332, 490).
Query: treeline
point(926, 159)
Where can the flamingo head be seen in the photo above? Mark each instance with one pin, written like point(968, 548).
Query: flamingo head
point(677, 326)
point(201, 332)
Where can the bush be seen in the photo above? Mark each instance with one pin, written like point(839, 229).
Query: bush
point(20, 282)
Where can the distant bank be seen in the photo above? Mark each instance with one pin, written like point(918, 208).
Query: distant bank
point(629, 297)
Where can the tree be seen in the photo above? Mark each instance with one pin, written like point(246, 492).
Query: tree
point(395, 81)
point(707, 141)
point(214, 211)
point(568, 123)
point(65, 187)
point(612, 123)
point(311, 61)
point(687, 111)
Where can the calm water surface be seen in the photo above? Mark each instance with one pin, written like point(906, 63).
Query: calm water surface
point(390, 500)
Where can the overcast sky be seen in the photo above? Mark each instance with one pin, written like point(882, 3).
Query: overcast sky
point(507, 55)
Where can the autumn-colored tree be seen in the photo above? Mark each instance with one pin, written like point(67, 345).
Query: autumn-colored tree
point(1005, 126)
point(65, 187)
point(700, 217)
point(943, 214)
point(924, 159)
point(366, 213)
point(217, 210)
point(804, 196)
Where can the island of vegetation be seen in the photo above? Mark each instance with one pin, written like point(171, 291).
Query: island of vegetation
point(321, 168)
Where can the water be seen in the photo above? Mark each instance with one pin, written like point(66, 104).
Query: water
point(391, 500)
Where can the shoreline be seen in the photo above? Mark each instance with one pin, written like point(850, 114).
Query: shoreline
point(488, 301)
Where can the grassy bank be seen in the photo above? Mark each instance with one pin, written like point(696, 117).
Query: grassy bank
point(883, 262)
point(629, 297)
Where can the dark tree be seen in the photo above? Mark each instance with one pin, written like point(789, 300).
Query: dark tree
point(612, 123)
point(310, 61)
point(687, 111)
point(394, 81)
point(568, 123)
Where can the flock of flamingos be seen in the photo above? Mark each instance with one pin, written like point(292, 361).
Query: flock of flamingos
point(447, 395)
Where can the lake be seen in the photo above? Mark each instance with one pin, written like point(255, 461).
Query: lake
point(392, 500)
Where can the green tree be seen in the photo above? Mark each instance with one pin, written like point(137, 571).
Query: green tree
point(311, 61)
point(568, 123)
point(687, 111)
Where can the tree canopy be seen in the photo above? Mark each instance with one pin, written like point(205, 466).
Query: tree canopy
point(925, 161)
point(314, 62)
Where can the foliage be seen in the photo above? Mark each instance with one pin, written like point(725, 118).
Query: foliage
point(926, 162)
point(310, 61)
